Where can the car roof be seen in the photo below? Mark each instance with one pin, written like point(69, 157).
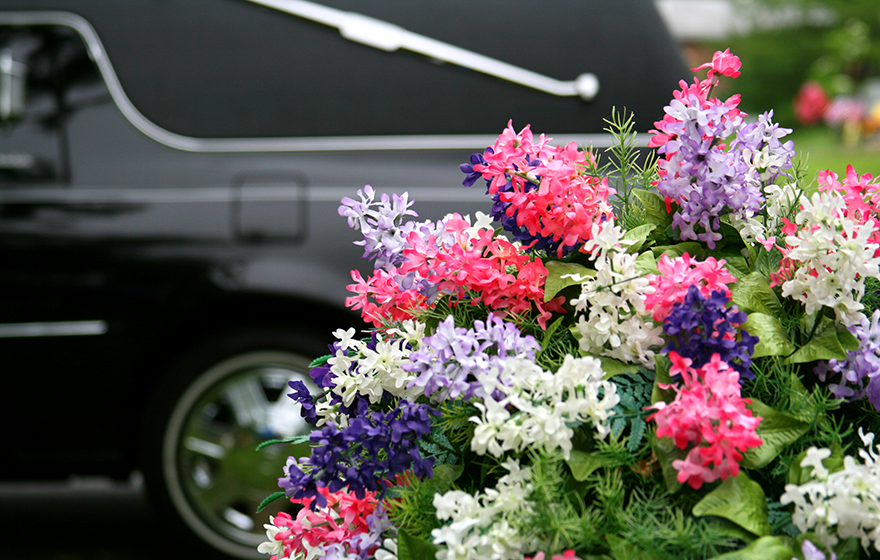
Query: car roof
point(233, 68)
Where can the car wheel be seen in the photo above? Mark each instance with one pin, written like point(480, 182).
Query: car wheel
point(215, 406)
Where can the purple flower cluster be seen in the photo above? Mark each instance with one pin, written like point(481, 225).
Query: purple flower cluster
point(754, 138)
point(362, 455)
point(698, 328)
point(708, 181)
point(381, 223)
point(448, 360)
point(499, 207)
point(858, 376)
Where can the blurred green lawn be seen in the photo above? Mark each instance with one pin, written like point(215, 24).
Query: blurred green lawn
point(826, 151)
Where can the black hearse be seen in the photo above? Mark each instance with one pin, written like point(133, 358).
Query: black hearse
point(170, 249)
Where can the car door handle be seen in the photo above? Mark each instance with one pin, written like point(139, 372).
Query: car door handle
point(389, 37)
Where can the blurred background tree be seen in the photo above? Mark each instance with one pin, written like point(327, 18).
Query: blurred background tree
point(816, 63)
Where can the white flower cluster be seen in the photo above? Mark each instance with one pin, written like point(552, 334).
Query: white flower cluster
point(539, 406)
point(483, 526)
point(841, 504)
point(377, 370)
point(613, 321)
point(835, 258)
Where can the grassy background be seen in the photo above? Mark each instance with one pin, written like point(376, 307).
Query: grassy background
point(825, 150)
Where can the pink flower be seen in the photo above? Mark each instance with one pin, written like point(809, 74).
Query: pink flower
point(344, 517)
point(566, 555)
point(710, 416)
point(677, 275)
point(722, 63)
point(810, 103)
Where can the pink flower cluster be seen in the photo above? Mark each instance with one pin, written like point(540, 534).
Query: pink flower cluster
point(344, 518)
point(710, 415)
point(475, 264)
point(862, 197)
point(567, 201)
point(677, 275)
point(381, 297)
point(568, 554)
point(496, 271)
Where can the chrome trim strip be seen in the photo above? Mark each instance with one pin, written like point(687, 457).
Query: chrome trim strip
point(275, 193)
point(389, 37)
point(64, 328)
point(227, 145)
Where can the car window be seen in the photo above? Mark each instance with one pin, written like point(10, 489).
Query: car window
point(41, 75)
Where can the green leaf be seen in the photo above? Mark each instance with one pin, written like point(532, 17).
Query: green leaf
point(610, 366)
point(847, 339)
point(731, 241)
point(655, 208)
point(661, 376)
point(583, 464)
point(294, 440)
point(646, 263)
point(765, 548)
point(692, 248)
point(772, 338)
point(777, 431)
point(638, 235)
point(550, 333)
point(752, 293)
point(555, 282)
point(825, 345)
point(446, 475)
point(269, 499)
point(667, 452)
point(740, 500)
point(636, 434)
point(414, 548)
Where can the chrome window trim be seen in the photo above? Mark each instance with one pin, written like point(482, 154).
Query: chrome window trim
point(279, 193)
point(56, 328)
point(389, 37)
point(230, 145)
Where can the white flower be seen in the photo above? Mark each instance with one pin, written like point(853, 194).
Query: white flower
point(272, 546)
point(483, 526)
point(841, 504)
point(540, 405)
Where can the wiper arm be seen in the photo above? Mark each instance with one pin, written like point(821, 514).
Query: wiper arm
point(389, 37)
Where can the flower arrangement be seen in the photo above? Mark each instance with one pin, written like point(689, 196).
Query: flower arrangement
point(676, 358)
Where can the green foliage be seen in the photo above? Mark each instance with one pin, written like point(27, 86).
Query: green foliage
point(740, 500)
point(268, 500)
point(625, 170)
point(414, 548)
point(634, 390)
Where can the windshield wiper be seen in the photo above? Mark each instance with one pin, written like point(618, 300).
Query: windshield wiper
point(389, 37)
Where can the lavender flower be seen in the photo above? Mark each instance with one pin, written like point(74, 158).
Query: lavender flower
point(859, 373)
point(707, 181)
point(449, 360)
point(699, 328)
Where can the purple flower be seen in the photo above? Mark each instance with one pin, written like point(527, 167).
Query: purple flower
point(858, 376)
point(698, 328)
point(447, 361)
point(360, 456)
point(302, 395)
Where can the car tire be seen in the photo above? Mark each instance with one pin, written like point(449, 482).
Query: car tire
point(217, 402)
